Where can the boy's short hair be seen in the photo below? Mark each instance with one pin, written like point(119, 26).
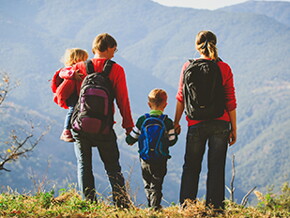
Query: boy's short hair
point(157, 97)
point(102, 42)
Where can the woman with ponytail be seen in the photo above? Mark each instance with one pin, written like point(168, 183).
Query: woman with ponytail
point(218, 132)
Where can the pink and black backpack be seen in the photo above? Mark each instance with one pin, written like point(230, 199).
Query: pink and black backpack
point(93, 112)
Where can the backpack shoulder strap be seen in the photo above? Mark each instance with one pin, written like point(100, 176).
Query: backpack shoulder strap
point(146, 115)
point(162, 117)
point(107, 67)
point(191, 61)
point(89, 66)
point(219, 59)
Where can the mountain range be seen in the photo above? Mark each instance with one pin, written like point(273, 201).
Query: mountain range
point(153, 42)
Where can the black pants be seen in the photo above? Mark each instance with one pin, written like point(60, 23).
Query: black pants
point(216, 133)
point(153, 174)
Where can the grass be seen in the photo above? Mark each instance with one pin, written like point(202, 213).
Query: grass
point(69, 204)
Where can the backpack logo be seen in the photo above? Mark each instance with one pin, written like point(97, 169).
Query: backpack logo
point(153, 143)
point(93, 112)
point(203, 90)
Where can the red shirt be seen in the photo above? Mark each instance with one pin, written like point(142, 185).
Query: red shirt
point(228, 83)
point(118, 79)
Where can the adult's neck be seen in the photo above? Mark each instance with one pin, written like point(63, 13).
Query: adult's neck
point(101, 56)
point(105, 54)
point(204, 56)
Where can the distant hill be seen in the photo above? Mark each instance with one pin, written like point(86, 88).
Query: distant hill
point(277, 10)
point(153, 42)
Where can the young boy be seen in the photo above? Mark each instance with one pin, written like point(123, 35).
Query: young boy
point(154, 170)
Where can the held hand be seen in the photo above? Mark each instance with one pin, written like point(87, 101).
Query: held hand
point(78, 75)
point(177, 128)
point(128, 130)
point(232, 137)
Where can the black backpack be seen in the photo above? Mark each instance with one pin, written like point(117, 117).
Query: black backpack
point(203, 90)
point(93, 112)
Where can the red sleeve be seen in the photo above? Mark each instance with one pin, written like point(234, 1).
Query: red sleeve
point(118, 78)
point(179, 95)
point(228, 83)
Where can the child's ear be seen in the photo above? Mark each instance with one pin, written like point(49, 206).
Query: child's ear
point(149, 104)
point(165, 104)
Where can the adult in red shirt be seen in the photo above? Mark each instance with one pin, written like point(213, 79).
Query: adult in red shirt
point(104, 46)
point(219, 133)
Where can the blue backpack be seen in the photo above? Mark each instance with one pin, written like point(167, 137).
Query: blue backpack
point(153, 143)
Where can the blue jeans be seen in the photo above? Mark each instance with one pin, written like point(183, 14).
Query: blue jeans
point(216, 133)
point(70, 102)
point(109, 153)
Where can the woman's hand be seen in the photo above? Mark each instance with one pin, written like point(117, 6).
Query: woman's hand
point(232, 137)
point(178, 113)
point(233, 133)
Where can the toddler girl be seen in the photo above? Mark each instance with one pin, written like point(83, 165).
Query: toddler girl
point(66, 94)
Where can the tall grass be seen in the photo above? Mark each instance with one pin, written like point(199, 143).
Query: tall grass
point(68, 203)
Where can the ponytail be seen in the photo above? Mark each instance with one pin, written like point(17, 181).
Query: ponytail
point(206, 44)
point(212, 49)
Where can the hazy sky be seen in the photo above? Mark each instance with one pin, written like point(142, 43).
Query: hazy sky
point(205, 4)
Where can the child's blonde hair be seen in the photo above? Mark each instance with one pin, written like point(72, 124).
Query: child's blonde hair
point(73, 56)
point(157, 97)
